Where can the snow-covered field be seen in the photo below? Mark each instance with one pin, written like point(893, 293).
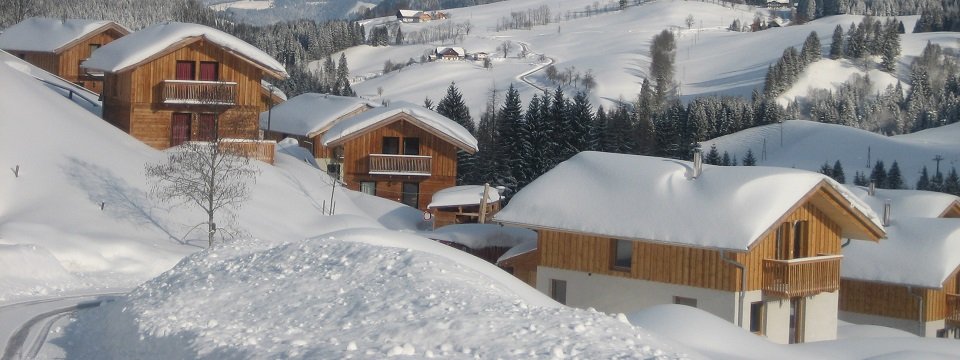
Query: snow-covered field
point(243, 4)
point(614, 46)
point(807, 145)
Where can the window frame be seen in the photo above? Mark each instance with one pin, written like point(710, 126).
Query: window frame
point(394, 145)
point(558, 293)
point(373, 186)
point(758, 317)
point(686, 301)
point(615, 251)
point(411, 143)
point(193, 70)
point(216, 71)
point(406, 197)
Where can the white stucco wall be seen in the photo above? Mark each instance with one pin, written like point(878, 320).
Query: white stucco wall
point(612, 294)
point(928, 329)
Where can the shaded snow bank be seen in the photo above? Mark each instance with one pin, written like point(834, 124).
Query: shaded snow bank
point(356, 293)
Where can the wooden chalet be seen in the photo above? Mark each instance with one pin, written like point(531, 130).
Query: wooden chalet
point(410, 16)
point(174, 82)
point(449, 53)
point(401, 151)
point(522, 261)
point(59, 46)
point(923, 243)
point(462, 205)
point(757, 246)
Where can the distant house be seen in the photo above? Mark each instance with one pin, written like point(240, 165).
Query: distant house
point(401, 152)
point(409, 16)
point(174, 82)
point(480, 55)
point(58, 46)
point(306, 117)
point(449, 53)
point(909, 281)
point(757, 246)
point(461, 205)
point(779, 4)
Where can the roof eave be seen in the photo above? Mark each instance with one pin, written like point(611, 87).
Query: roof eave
point(109, 26)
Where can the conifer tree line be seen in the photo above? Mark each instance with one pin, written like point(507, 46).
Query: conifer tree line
point(293, 43)
point(944, 15)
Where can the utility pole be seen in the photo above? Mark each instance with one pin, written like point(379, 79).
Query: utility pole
point(938, 159)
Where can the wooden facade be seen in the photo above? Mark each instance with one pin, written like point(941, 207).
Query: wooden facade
point(358, 150)
point(806, 225)
point(65, 61)
point(523, 266)
point(134, 98)
point(901, 301)
point(463, 214)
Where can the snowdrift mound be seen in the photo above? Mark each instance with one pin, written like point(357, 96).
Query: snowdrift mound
point(332, 297)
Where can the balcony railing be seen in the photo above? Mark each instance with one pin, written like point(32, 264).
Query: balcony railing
point(801, 277)
point(386, 164)
point(953, 309)
point(199, 92)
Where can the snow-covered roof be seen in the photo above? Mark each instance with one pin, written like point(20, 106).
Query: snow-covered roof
point(133, 49)
point(655, 199)
point(462, 195)
point(908, 203)
point(420, 116)
point(51, 35)
point(310, 114)
point(918, 251)
point(273, 90)
point(520, 249)
point(443, 49)
point(479, 236)
point(409, 13)
point(78, 94)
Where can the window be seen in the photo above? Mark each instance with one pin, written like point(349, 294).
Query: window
point(411, 146)
point(622, 254)
point(558, 290)
point(94, 47)
point(368, 187)
point(783, 242)
point(208, 127)
point(333, 169)
point(799, 239)
point(680, 300)
point(756, 317)
point(411, 194)
point(179, 129)
point(209, 71)
point(185, 70)
point(391, 145)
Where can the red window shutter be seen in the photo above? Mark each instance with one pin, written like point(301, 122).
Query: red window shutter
point(208, 127)
point(209, 71)
point(179, 129)
point(185, 70)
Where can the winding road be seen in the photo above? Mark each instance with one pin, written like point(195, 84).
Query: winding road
point(24, 326)
point(523, 76)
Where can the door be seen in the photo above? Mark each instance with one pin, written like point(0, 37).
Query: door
point(179, 129)
point(185, 70)
point(797, 319)
point(411, 194)
point(208, 127)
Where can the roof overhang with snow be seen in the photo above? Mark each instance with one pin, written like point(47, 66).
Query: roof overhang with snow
point(158, 40)
point(54, 35)
point(655, 200)
point(312, 114)
point(425, 119)
point(463, 195)
point(926, 250)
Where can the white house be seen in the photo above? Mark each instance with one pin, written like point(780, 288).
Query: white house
point(757, 246)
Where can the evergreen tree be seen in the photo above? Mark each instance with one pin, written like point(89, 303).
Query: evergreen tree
point(806, 10)
point(560, 143)
point(713, 156)
point(838, 173)
point(811, 49)
point(890, 47)
point(580, 114)
point(749, 160)
point(725, 160)
point(826, 169)
point(860, 179)
point(951, 185)
point(836, 46)
point(923, 183)
point(644, 135)
point(453, 107)
point(399, 39)
point(508, 142)
point(894, 178)
point(879, 175)
point(329, 73)
point(342, 86)
point(598, 131)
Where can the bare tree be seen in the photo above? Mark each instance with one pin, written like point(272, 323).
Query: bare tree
point(506, 46)
point(690, 21)
point(213, 175)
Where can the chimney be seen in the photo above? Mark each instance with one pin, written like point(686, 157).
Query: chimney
point(886, 213)
point(697, 163)
point(872, 189)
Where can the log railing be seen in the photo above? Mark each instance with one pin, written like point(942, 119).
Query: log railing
point(386, 164)
point(199, 92)
point(801, 277)
point(953, 309)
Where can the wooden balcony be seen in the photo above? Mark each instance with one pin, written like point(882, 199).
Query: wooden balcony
point(953, 309)
point(801, 277)
point(386, 164)
point(189, 92)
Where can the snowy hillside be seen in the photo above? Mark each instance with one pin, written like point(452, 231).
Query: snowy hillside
point(346, 295)
point(79, 202)
point(614, 46)
point(807, 145)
